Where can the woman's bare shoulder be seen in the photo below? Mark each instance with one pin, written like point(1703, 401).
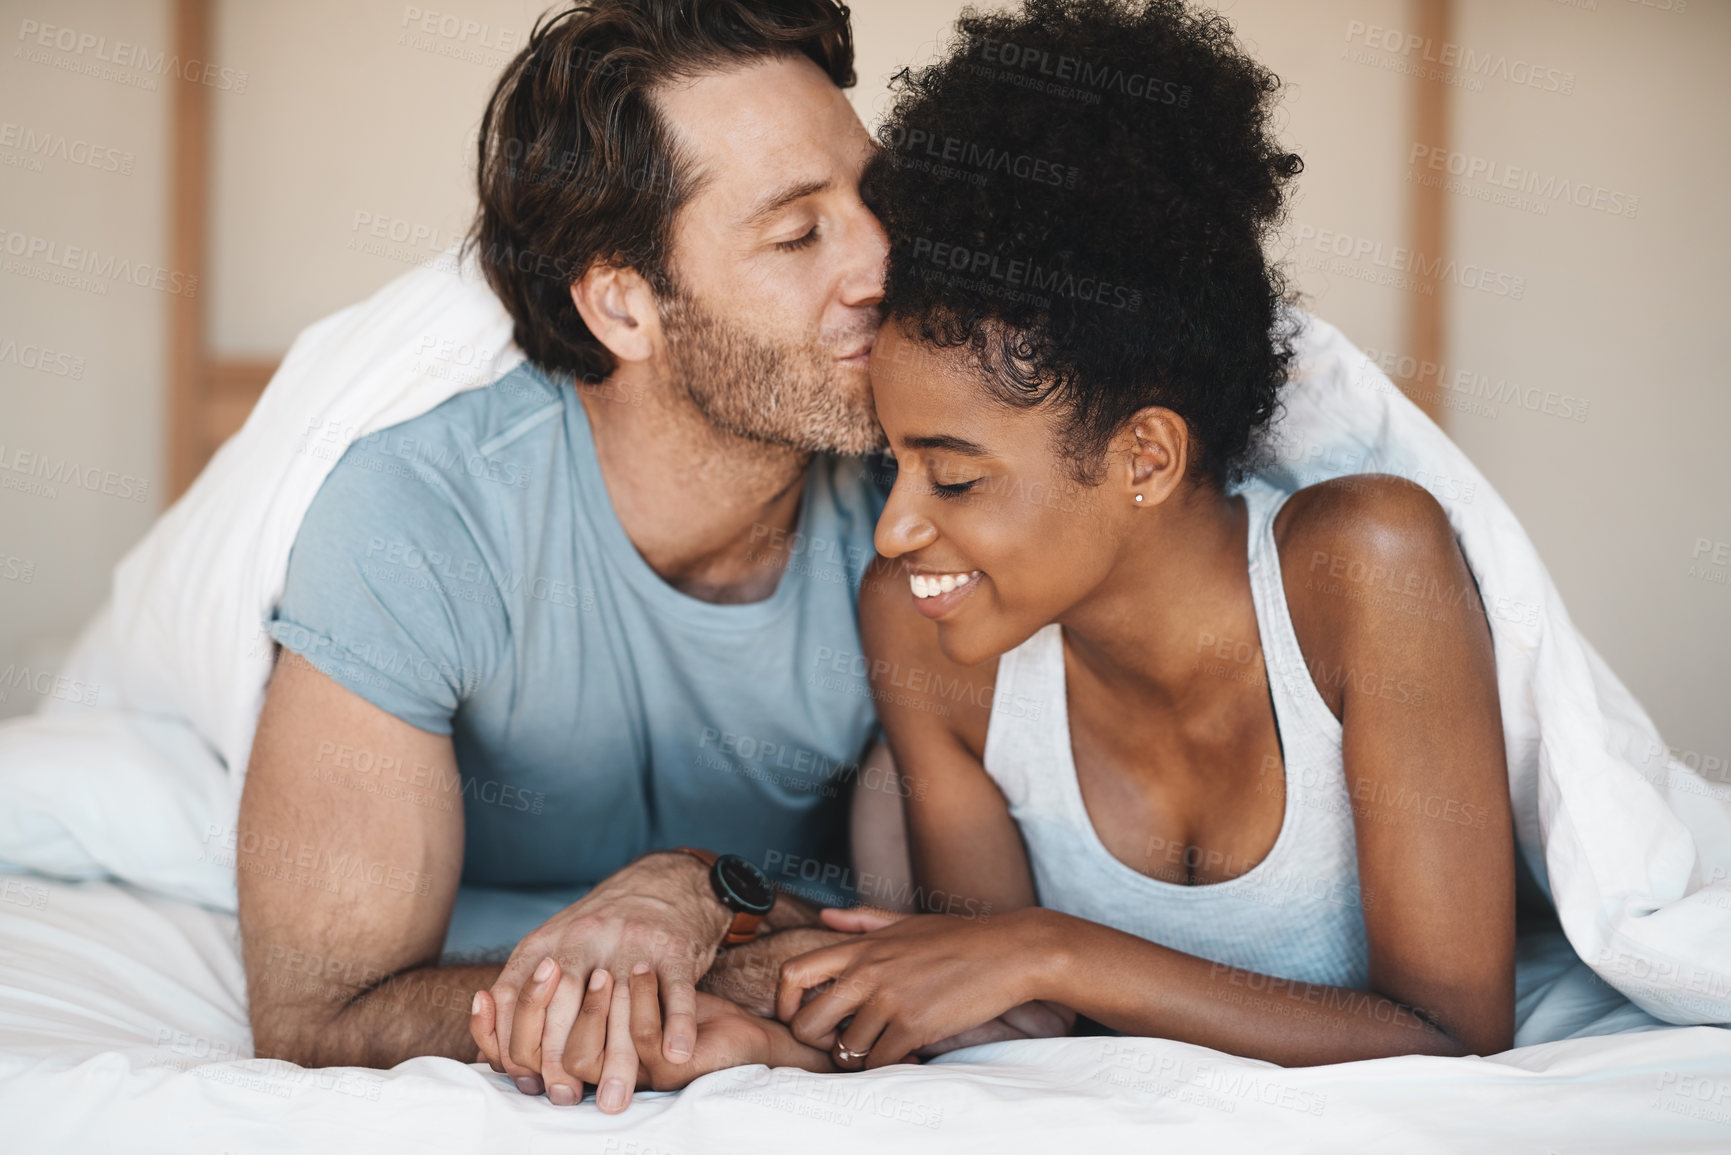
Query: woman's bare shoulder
point(1372, 557)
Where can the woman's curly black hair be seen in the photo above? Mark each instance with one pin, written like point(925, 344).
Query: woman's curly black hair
point(1080, 193)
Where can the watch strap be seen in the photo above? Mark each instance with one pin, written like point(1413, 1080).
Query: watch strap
point(745, 923)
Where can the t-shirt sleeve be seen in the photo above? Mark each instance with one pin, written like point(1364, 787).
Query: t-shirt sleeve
point(389, 594)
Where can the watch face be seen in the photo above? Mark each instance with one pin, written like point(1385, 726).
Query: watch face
point(744, 883)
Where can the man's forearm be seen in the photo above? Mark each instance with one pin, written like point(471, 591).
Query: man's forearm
point(420, 1011)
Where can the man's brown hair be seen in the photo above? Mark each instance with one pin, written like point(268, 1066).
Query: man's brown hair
point(576, 165)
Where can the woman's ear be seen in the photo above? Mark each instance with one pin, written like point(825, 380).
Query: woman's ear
point(1156, 446)
point(620, 309)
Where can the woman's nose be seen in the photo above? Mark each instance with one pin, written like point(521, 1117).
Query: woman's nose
point(902, 529)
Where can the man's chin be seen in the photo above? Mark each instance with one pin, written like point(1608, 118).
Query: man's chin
point(856, 430)
point(859, 442)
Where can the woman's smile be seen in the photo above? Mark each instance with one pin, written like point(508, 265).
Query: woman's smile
point(938, 592)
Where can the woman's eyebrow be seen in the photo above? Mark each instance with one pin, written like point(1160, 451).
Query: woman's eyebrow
point(945, 441)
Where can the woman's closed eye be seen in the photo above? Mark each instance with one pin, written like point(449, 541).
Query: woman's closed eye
point(950, 492)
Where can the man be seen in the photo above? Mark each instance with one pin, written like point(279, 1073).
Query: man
point(568, 601)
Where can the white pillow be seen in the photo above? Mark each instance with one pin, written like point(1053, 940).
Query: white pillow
point(139, 798)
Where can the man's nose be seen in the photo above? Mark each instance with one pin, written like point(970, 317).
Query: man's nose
point(868, 251)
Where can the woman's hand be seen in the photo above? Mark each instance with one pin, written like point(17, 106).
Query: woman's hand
point(913, 983)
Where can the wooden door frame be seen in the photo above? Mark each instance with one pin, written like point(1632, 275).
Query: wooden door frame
point(209, 397)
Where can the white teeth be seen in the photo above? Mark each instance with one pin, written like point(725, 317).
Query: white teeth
point(931, 585)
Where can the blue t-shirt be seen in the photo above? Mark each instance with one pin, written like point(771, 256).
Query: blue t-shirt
point(465, 572)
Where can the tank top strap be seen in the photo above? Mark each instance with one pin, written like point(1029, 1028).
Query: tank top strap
point(1029, 730)
point(1302, 714)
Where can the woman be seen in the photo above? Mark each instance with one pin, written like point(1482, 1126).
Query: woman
point(1186, 716)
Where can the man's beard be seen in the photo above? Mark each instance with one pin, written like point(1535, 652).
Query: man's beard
point(792, 394)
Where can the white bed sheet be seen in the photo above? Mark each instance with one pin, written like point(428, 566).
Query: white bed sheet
point(123, 1028)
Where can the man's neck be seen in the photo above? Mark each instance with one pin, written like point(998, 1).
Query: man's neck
point(702, 506)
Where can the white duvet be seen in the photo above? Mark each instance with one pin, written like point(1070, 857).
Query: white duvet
point(123, 1028)
point(1633, 848)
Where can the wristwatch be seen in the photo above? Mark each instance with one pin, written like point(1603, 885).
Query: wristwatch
point(741, 887)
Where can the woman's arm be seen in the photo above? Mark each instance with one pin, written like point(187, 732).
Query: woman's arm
point(1413, 680)
point(929, 977)
point(1394, 631)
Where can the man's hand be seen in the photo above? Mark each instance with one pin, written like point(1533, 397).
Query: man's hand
point(559, 1015)
point(727, 1035)
point(750, 974)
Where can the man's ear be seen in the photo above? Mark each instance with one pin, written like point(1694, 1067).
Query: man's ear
point(619, 307)
point(1157, 449)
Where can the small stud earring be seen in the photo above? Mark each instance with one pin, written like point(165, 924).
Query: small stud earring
point(1138, 497)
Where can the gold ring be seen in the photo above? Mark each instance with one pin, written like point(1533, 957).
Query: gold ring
point(843, 1055)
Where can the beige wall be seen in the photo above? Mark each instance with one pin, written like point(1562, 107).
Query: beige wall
point(351, 113)
point(1626, 313)
point(82, 169)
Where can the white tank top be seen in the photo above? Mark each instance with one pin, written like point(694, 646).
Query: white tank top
point(1299, 913)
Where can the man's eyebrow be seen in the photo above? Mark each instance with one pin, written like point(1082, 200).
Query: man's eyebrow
point(775, 202)
point(945, 441)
